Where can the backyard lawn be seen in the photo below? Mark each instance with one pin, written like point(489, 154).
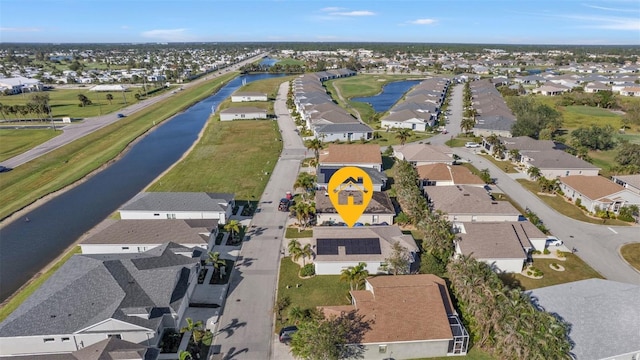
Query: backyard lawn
point(295, 233)
point(232, 156)
point(16, 141)
point(314, 291)
point(631, 253)
point(575, 269)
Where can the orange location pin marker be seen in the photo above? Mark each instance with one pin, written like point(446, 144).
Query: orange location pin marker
point(350, 190)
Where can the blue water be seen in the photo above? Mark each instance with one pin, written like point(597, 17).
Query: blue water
point(26, 247)
point(268, 61)
point(391, 93)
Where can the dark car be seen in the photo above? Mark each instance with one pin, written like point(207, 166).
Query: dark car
point(121, 116)
point(284, 204)
point(4, 169)
point(286, 333)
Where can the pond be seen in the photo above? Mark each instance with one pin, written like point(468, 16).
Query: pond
point(391, 93)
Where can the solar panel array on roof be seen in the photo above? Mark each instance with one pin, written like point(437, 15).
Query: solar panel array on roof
point(365, 246)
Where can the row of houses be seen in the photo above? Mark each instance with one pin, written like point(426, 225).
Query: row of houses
point(321, 114)
point(550, 84)
point(133, 281)
point(421, 106)
point(493, 114)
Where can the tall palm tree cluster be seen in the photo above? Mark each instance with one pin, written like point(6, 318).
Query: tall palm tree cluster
point(409, 196)
point(37, 106)
point(297, 251)
point(502, 320)
point(355, 275)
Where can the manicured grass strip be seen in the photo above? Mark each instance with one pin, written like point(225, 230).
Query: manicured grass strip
point(61, 167)
point(16, 141)
point(559, 204)
point(315, 291)
point(12, 303)
point(294, 233)
point(575, 269)
point(473, 354)
point(505, 165)
point(232, 156)
point(631, 253)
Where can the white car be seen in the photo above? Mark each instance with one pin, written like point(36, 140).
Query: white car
point(472, 145)
point(554, 241)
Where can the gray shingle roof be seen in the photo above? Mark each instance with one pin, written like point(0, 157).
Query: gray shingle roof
point(178, 201)
point(88, 289)
point(154, 232)
point(325, 172)
point(343, 128)
point(557, 159)
point(603, 315)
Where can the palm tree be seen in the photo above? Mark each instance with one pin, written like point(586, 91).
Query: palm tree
point(214, 259)
point(185, 355)
point(355, 275)
point(306, 252)
point(316, 146)
point(295, 250)
point(232, 227)
point(534, 172)
point(196, 329)
point(304, 211)
point(109, 98)
point(514, 154)
point(467, 124)
point(492, 140)
point(403, 135)
point(304, 181)
point(296, 314)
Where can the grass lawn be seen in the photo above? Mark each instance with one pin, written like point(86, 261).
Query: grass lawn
point(290, 61)
point(294, 233)
point(239, 153)
point(61, 167)
point(25, 292)
point(315, 291)
point(631, 253)
point(389, 138)
point(65, 103)
point(604, 160)
point(564, 207)
point(504, 165)
point(576, 116)
point(461, 140)
point(473, 354)
point(575, 269)
point(16, 141)
point(268, 86)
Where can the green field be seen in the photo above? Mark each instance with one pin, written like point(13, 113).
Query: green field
point(65, 103)
point(64, 166)
point(231, 156)
point(631, 253)
point(16, 141)
point(576, 116)
point(267, 86)
point(289, 61)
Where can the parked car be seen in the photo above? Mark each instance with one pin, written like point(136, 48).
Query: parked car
point(286, 333)
point(554, 241)
point(120, 116)
point(472, 145)
point(284, 204)
point(4, 169)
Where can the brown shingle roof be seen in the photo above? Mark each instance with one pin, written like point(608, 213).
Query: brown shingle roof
point(380, 202)
point(425, 152)
point(460, 175)
point(461, 199)
point(154, 232)
point(351, 154)
point(593, 187)
point(403, 308)
point(498, 240)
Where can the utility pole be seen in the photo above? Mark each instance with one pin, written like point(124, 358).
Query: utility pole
point(53, 124)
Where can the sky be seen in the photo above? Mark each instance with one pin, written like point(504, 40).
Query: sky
point(575, 22)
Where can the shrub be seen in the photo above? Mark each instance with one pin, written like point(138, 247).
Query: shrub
point(529, 273)
point(560, 254)
point(429, 264)
point(578, 202)
point(402, 219)
point(555, 265)
point(536, 252)
point(307, 270)
point(547, 252)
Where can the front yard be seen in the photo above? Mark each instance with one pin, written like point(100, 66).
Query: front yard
point(631, 253)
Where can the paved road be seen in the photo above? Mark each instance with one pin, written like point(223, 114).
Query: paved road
point(246, 325)
point(75, 131)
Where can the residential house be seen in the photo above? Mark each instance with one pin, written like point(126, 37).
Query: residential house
point(551, 90)
point(598, 192)
point(360, 155)
point(424, 154)
point(343, 132)
point(243, 113)
point(602, 316)
point(242, 96)
point(504, 246)
point(133, 297)
point(379, 210)
point(441, 174)
point(469, 204)
point(325, 172)
point(595, 87)
point(630, 91)
point(111, 348)
point(179, 205)
point(557, 163)
point(20, 84)
point(630, 182)
point(409, 119)
point(136, 236)
point(409, 316)
point(338, 247)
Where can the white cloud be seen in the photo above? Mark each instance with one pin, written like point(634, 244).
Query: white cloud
point(423, 21)
point(354, 13)
point(610, 9)
point(20, 29)
point(608, 22)
point(167, 34)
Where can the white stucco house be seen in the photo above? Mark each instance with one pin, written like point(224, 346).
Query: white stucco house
point(424, 154)
point(409, 119)
point(411, 316)
point(339, 247)
point(325, 172)
point(179, 205)
point(94, 297)
point(137, 236)
point(379, 210)
point(598, 192)
point(243, 113)
point(245, 96)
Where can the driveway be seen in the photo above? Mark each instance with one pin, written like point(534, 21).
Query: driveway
point(75, 131)
point(246, 324)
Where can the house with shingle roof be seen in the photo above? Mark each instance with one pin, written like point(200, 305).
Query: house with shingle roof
point(446, 175)
point(502, 245)
point(631, 182)
point(325, 172)
point(361, 155)
point(409, 316)
point(338, 247)
point(469, 203)
point(379, 210)
point(557, 163)
point(179, 205)
point(135, 236)
point(243, 96)
point(602, 315)
point(111, 348)
point(242, 113)
point(598, 192)
point(133, 297)
point(424, 154)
